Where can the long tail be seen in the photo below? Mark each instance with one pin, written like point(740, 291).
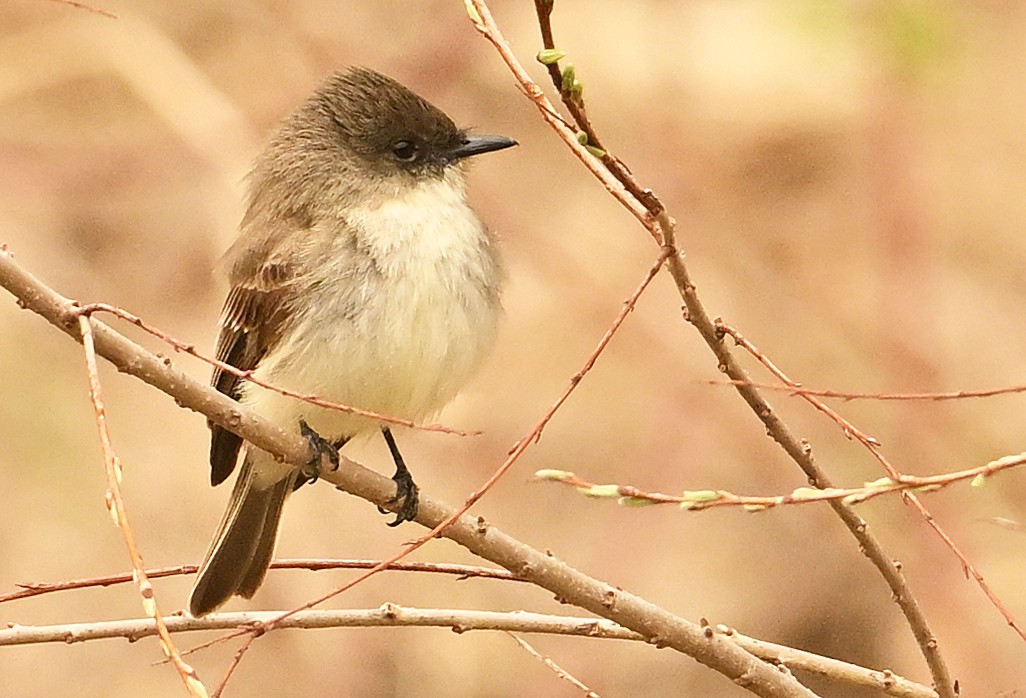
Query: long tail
point(242, 548)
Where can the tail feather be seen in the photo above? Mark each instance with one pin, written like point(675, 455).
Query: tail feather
point(243, 545)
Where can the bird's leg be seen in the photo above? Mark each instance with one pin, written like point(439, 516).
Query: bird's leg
point(407, 494)
point(322, 449)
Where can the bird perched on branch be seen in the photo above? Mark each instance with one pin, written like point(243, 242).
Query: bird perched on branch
point(360, 275)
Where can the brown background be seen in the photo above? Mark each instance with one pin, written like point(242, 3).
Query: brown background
point(849, 182)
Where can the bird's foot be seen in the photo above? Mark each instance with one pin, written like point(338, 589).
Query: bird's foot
point(407, 494)
point(406, 499)
point(321, 449)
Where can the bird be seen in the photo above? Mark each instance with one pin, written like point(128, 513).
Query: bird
point(360, 274)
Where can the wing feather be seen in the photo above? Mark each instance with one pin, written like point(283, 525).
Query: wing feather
point(250, 328)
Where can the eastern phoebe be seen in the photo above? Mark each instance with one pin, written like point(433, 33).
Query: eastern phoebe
point(360, 275)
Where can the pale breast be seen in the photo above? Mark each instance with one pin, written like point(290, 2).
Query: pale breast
point(402, 336)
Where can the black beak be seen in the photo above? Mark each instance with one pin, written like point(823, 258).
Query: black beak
point(475, 145)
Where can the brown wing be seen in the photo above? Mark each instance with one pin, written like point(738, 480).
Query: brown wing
point(250, 327)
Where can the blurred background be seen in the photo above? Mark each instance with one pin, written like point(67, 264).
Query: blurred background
point(849, 182)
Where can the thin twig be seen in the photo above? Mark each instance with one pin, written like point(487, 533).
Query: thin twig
point(116, 506)
point(31, 589)
point(485, 25)
point(234, 664)
point(555, 668)
point(876, 450)
point(699, 500)
point(190, 349)
point(88, 8)
point(573, 100)
point(799, 389)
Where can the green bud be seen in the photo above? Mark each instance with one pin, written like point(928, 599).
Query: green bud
point(558, 475)
point(881, 483)
point(569, 76)
point(601, 490)
point(570, 83)
point(597, 152)
point(979, 481)
point(548, 56)
point(701, 496)
point(636, 502)
point(582, 138)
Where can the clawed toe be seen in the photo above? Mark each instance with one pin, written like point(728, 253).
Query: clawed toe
point(407, 494)
point(407, 497)
point(321, 448)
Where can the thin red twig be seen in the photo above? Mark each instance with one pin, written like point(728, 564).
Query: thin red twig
point(88, 8)
point(248, 375)
point(799, 389)
point(874, 447)
point(29, 590)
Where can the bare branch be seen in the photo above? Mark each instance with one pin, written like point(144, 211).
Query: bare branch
point(387, 616)
point(653, 215)
point(459, 620)
point(886, 681)
point(660, 627)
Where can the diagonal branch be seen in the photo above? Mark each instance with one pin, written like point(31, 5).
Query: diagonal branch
point(651, 213)
point(514, 454)
point(658, 626)
point(876, 450)
point(553, 667)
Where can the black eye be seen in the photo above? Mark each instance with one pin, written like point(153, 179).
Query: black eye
point(406, 151)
